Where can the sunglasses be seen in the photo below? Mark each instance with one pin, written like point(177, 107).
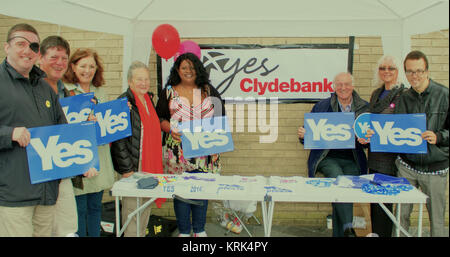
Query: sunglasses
point(34, 46)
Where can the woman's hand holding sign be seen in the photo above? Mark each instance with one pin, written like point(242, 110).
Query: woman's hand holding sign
point(369, 134)
point(175, 134)
point(92, 172)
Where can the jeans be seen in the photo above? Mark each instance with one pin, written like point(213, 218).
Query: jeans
point(332, 167)
point(183, 212)
point(435, 187)
point(89, 208)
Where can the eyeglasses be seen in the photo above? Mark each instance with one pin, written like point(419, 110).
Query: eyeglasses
point(34, 46)
point(417, 72)
point(386, 68)
point(342, 84)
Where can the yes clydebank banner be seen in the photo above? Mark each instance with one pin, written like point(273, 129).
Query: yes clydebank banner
point(286, 73)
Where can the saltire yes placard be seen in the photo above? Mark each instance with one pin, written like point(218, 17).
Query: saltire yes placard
point(61, 151)
point(78, 107)
point(204, 137)
point(394, 133)
point(329, 130)
point(113, 121)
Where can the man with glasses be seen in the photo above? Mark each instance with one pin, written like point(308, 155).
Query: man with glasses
point(26, 101)
point(427, 171)
point(337, 162)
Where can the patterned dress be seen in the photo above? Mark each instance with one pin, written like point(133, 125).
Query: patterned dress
point(173, 160)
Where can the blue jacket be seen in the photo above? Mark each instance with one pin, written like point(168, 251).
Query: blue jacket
point(331, 104)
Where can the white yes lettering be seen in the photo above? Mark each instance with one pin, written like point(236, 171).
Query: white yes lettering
point(329, 132)
point(397, 136)
point(75, 117)
point(111, 123)
point(59, 154)
point(206, 139)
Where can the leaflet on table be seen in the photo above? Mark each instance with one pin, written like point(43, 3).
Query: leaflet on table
point(395, 133)
point(207, 136)
point(61, 151)
point(284, 185)
point(235, 185)
point(329, 130)
point(78, 107)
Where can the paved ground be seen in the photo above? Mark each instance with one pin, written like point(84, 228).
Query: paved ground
point(215, 230)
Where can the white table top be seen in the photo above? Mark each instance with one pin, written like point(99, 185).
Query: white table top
point(256, 188)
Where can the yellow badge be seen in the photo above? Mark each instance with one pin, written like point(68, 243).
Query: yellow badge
point(157, 229)
point(47, 103)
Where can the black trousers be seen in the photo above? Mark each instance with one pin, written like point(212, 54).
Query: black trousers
point(381, 223)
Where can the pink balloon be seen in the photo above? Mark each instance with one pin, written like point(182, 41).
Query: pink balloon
point(189, 46)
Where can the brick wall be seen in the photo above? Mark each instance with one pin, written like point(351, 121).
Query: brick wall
point(108, 46)
point(285, 157)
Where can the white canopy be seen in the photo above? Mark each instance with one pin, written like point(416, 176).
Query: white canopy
point(394, 20)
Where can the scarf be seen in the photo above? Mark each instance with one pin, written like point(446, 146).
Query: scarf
point(151, 142)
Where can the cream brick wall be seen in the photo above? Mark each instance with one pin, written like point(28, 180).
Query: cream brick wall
point(108, 46)
point(285, 157)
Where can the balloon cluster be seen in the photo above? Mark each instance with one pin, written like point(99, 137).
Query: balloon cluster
point(166, 42)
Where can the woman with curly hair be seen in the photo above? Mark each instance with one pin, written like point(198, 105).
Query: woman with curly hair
point(188, 95)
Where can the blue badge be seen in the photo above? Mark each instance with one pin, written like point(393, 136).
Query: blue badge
point(361, 125)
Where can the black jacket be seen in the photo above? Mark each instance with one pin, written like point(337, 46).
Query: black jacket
point(434, 103)
point(125, 152)
point(381, 162)
point(24, 103)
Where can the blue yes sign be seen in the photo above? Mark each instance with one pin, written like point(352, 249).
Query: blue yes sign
point(113, 121)
point(61, 151)
point(329, 130)
point(78, 107)
point(395, 133)
point(204, 137)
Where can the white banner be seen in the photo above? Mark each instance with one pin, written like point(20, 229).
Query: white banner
point(294, 74)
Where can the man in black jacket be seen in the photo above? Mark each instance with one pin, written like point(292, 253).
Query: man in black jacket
point(428, 171)
point(26, 101)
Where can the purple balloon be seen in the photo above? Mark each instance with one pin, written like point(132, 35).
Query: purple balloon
point(188, 46)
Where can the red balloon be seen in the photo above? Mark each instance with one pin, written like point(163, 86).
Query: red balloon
point(166, 41)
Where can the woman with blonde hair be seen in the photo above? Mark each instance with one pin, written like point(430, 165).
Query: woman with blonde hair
point(388, 79)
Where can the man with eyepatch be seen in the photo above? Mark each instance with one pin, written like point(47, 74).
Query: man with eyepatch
point(26, 101)
point(428, 171)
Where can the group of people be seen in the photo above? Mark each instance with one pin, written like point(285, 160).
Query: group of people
point(428, 171)
point(29, 97)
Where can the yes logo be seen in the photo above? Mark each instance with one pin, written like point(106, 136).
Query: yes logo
point(61, 151)
point(113, 121)
point(205, 137)
point(62, 154)
point(397, 133)
point(329, 130)
point(77, 108)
